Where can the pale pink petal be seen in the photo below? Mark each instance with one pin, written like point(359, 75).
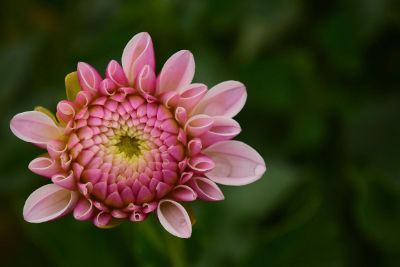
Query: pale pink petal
point(146, 81)
point(235, 163)
point(89, 78)
point(224, 99)
point(35, 127)
point(174, 218)
point(223, 129)
point(191, 95)
point(49, 202)
point(201, 163)
point(177, 72)
point(65, 180)
point(198, 125)
point(44, 166)
point(206, 189)
point(84, 209)
point(183, 193)
point(137, 53)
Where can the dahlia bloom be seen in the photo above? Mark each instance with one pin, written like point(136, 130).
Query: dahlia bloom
point(133, 143)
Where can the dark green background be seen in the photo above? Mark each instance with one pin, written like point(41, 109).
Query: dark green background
point(323, 81)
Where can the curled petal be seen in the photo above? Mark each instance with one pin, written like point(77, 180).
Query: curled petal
point(103, 219)
point(170, 99)
point(146, 81)
point(84, 209)
point(192, 95)
point(66, 181)
point(235, 163)
point(137, 53)
point(198, 125)
point(201, 163)
point(35, 127)
point(224, 99)
point(177, 72)
point(206, 189)
point(49, 202)
point(183, 193)
point(116, 74)
point(89, 78)
point(223, 129)
point(107, 87)
point(180, 115)
point(65, 110)
point(194, 146)
point(44, 166)
point(174, 218)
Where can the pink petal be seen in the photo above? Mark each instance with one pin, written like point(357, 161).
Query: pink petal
point(176, 73)
point(192, 95)
point(206, 189)
point(89, 78)
point(137, 53)
point(35, 127)
point(116, 74)
point(183, 193)
point(146, 81)
point(223, 129)
point(174, 218)
point(235, 163)
point(198, 125)
point(224, 99)
point(67, 181)
point(49, 202)
point(84, 209)
point(201, 163)
point(44, 166)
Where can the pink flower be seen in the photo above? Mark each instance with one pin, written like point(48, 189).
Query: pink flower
point(133, 143)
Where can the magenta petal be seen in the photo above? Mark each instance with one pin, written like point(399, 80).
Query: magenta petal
point(44, 166)
point(35, 127)
point(49, 202)
point(89, 78)
point(224, 99)
point(174, 218)
point(223, 129)
point(206, 189)
point(137, 53)
point(84, 209)
point(235, 163)
point(198, 125)
point(177, 72)
point(183, 193)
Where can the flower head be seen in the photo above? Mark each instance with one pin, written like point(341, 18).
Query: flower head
point(133, 143)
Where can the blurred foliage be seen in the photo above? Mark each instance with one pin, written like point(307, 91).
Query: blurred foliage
point(323, 79)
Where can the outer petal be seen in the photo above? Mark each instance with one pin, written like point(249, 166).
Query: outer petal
point(44, 166)
point(177, 72)
point(35, 127)
point(224, 99)
point(174, 218)
point(49, 202)
point(137, 53)
point(223, 129)
point(191, 95)
point(206, 189)
point(235, 163)
point(89, 78)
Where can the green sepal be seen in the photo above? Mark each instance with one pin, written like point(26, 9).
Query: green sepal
point(72, 86)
